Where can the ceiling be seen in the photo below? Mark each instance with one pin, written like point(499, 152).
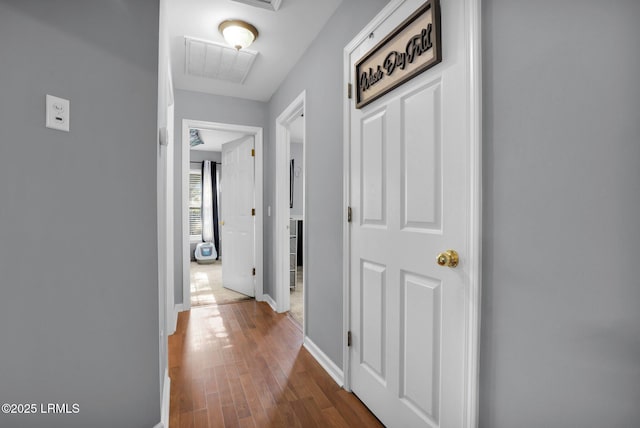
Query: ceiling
point(284, 36)
point(214, 139)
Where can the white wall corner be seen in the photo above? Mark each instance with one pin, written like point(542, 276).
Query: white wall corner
point(329, 366)
point(270, 301)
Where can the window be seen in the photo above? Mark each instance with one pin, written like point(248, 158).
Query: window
point(195, 204)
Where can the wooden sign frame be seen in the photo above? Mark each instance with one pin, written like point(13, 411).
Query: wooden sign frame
point(421, 51)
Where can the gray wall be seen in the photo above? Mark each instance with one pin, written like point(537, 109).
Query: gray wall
point(211, 108)
point(78, 291)
point(319, 71)
point(560, 342)
point(297, 151)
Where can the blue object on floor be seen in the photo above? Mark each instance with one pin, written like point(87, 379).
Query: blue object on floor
point(205, 253)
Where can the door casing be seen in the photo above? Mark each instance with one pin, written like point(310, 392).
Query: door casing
point(473, 40)
point(282, 211)
point(257, 132)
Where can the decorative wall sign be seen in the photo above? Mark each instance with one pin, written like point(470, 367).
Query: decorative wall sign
point(411, 48)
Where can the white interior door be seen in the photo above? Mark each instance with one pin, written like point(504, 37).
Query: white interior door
point(237, 224)
point(410, 193)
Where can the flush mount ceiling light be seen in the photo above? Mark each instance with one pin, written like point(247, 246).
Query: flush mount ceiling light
point(237, 33)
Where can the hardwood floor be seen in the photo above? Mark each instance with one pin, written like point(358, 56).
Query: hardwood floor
point(242, 365)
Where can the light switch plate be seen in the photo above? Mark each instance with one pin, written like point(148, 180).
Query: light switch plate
point(57, 113)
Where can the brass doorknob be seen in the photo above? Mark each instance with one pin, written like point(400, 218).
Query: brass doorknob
point(448, 258)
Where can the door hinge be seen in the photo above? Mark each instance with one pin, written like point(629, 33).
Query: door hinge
point(349, 338)
point(349, 90)
point(348, 214)
point(253, 152)
point(253, 211)
point(253, 272)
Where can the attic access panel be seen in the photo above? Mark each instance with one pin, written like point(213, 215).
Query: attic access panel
point(217, 61)
point(265, 4)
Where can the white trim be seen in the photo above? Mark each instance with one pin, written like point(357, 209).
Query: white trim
point(329, 366)
point(472, 340)
point(165, 201)
point(173, 320)
point(257, 132)
point(259, 204)
point(166, 399)
point(473, 23)
point(305, 228)
point(282, 211)
point(269, 300)
point(346, 243)
point(169, 212)
point(186, 236)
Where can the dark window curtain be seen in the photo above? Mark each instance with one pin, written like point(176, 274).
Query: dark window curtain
point(214, 205)
point(291, 178)
point(202, 202)
point(214, 191)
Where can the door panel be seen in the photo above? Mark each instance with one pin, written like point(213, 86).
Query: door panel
point(373, 318)
point(409, 193)
point(237, 219)
point(373, 169)
point(421, 161)
point(420, 345)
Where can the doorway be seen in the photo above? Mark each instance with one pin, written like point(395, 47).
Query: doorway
point(296, 222)
point(204, 271)
point(291, 211)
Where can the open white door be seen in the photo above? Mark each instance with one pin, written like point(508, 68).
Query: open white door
point(412, 192)
point(237, 224)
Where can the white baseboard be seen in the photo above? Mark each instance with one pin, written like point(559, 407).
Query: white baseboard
point(164, 409)
point(174, 318)
point(270, 301)
point(329, 366)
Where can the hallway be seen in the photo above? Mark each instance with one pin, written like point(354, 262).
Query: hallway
point(242, 365)
point(206, 286)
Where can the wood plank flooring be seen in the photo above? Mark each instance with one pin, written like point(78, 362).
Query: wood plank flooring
point(242, 365)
